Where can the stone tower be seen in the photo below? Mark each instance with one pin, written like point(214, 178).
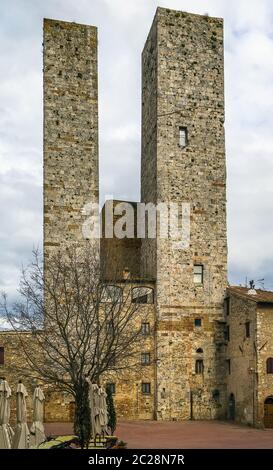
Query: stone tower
point(70, 129)
point(183, 161)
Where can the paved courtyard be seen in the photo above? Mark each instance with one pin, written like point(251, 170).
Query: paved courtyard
point(183, 435)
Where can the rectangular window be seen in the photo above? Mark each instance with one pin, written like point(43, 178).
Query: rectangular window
point(145, 359)
point(227, 306)
point(112, 360)
point(229, 366)
point(227, 333)
point(183, 137)
point(146, 388)
point(198, 322)
point(2, 356)
point(111, 387)
point(247, 327)
point(145, 329)
point(198, 274)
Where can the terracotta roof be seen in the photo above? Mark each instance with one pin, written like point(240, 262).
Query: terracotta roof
point(261, 295)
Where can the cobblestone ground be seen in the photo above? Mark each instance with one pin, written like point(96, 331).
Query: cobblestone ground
point(183, 435)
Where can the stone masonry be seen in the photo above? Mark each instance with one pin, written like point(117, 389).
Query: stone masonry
point(70, 129)
point(203, 364)
point(250, 344)
point(183, 87)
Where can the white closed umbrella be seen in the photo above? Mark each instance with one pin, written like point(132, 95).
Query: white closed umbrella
point(37, 431)
point(96, 401)
point(6, 433)
point(103, 411)
point(21, 435)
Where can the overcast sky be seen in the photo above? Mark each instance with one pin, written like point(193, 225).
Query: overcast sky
point(123, 26)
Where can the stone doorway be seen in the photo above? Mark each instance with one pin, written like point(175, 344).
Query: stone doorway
point(231, 407)
point(268, 412)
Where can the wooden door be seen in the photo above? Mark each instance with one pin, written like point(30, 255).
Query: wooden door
point(268, 415)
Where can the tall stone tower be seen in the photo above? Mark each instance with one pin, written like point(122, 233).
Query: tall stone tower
point(70, 129)
point(183, 161)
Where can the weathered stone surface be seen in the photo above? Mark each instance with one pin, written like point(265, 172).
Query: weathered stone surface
point(248, 379)
point(183, 86)
point(70, 129)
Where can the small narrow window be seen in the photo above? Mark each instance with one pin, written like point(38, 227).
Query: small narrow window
point(110, 328)
point(145, 359)
point(112, 361)
point(227, 333)
point(2, 356)
point(146, 388)
point(227, 306)
point(247, 327)
point(199, 351)
point(111, 387)
point(269, 365)
point(145, 328)
point(198, 274)
point(183, 137)
point(198, 322)
point(199, 366)
point(228, 366)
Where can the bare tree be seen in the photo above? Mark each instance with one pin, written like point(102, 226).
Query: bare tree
point(78, 325)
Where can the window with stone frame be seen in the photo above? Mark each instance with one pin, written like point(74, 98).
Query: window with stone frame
point(227, 306)
point(269, 365)
point(112, 360)
point(2, 355)
point(146, 388)
point(183, 137)
point(227, 333)
point(228, 366)
point(142, 295)
point(247, 329)
point(198, 274)
point(198, 322)
point(199, 366)
point(111, 294)
point(145, 328)
point(145, 359)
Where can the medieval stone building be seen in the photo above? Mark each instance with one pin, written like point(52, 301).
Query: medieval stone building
point(189, 368)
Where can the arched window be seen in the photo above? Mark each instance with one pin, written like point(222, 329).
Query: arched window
point(111, 294)
point(142, 295)
point(199, 351)
point(269, 365)
point(199, 366)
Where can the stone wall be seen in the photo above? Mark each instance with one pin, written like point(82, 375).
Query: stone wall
point(127, 375)
point(265, 351)
point(183, 86)
point(119, 254)
point(241, 351)
point(70, 129)
point(57, 405)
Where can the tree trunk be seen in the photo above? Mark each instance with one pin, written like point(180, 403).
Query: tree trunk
point(82, 419)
